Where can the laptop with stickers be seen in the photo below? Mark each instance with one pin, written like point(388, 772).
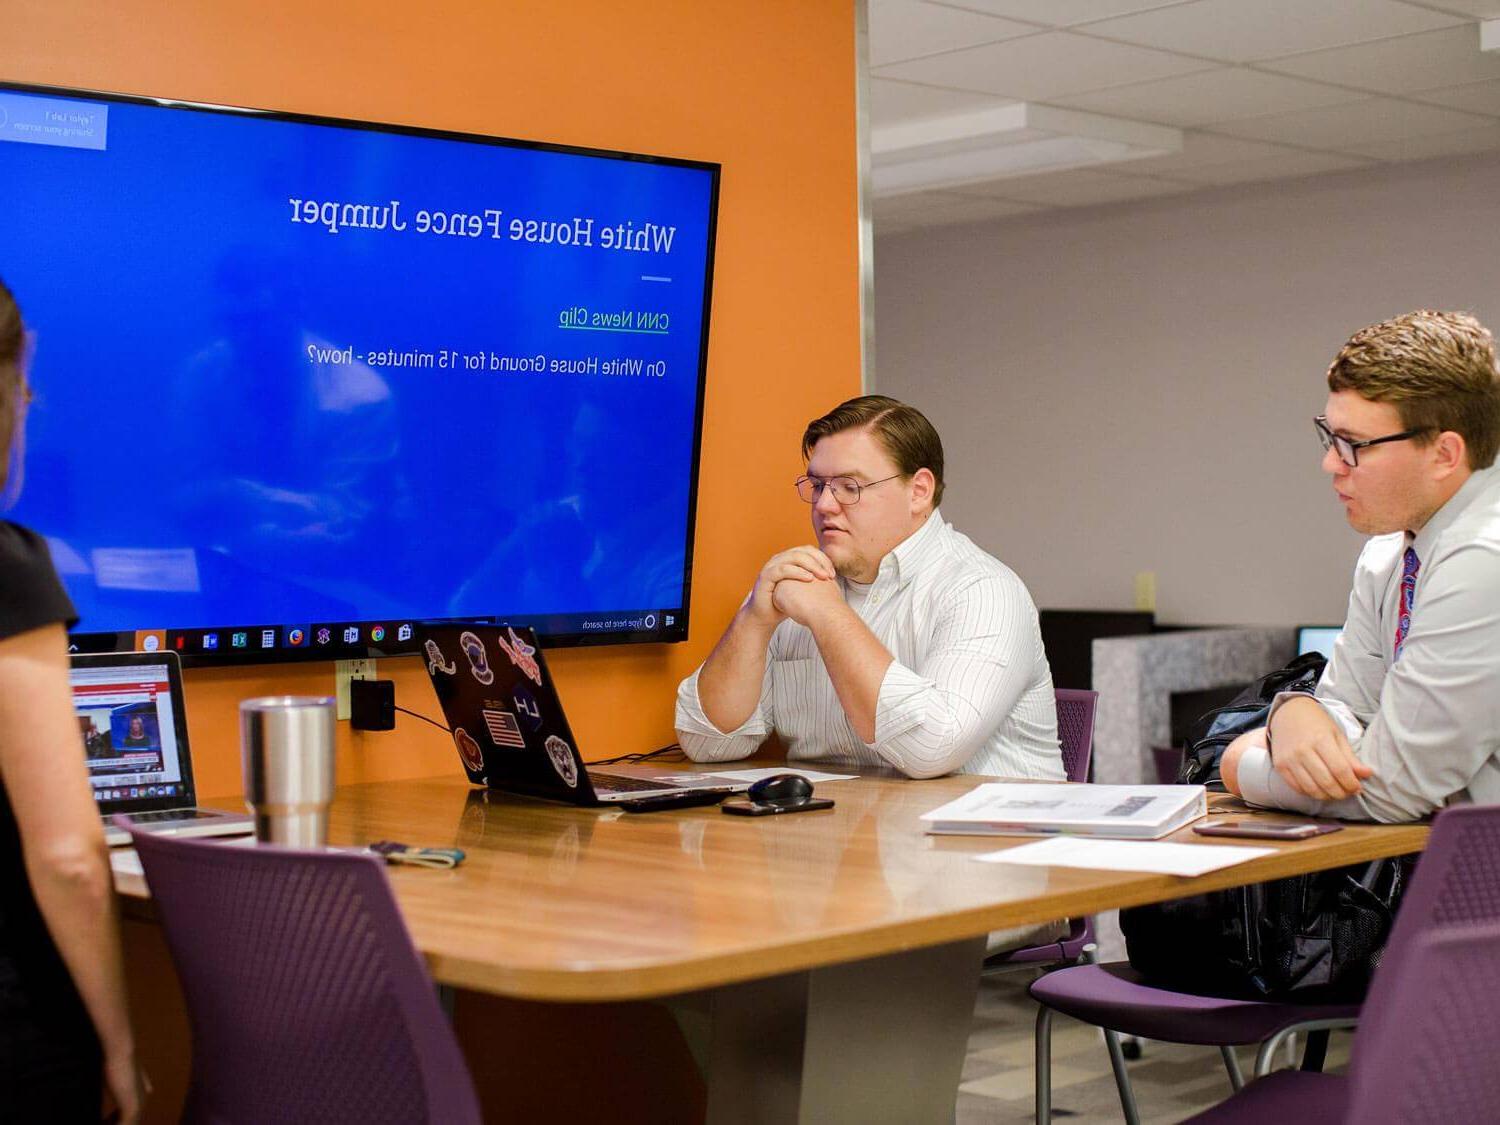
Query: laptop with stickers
point(510, 729)
point(131, 719)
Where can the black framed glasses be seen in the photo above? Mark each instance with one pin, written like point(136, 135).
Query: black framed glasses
point(846, 490)
point(1348, 449)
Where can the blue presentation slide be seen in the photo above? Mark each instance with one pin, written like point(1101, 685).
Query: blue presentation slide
point(292, 372)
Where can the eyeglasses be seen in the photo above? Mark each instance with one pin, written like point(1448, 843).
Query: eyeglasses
point(1348, 450)
point(846, 490)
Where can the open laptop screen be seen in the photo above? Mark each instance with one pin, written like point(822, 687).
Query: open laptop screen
point(129, 709)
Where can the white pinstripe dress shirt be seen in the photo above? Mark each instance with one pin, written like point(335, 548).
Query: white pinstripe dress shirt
point(969, 689)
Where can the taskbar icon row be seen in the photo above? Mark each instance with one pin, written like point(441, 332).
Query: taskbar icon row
point(333, 636)
point(134, 792)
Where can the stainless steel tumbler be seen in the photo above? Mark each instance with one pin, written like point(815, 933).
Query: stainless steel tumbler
point(286, 749)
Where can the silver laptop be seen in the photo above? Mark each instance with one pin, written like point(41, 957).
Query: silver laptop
point(135, 740)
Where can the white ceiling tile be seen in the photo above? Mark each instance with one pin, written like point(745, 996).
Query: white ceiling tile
point(1201, 150)
point(902, 208)
point(892, 102)
point(1414, 62)
point(1483, 9)
point(1209, 96)
point(909, 29)
point(1080, 188)
point(926, 206)
point(1272, 168)
point(1042, 67)
point(1476, 97)
point(1236, 31)
point(1060, 13)
point(973, 210)
point(1342, 126)
point(1468, 141)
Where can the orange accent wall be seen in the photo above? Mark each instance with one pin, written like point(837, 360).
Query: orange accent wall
point(765, 88)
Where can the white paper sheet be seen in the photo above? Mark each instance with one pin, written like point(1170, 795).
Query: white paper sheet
point(1127, 855)
point(755, 775)
point(125, 861)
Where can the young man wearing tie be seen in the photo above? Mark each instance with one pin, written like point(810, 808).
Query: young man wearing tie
point(1406, 718)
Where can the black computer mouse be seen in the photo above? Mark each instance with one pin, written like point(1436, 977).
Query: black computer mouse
point(781, 789)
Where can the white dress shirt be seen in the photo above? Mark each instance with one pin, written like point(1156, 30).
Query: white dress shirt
point(1429, 723)
point(968, 689)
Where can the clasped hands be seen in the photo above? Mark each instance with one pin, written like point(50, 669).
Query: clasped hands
point(799, 583)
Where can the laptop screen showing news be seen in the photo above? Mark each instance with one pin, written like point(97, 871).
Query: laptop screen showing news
point(128, 720)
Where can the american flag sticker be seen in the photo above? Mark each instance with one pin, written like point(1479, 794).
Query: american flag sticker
point(504, 729)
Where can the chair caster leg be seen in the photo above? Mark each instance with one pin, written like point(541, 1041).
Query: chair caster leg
point(1117, 1056)
point(1043, 1077)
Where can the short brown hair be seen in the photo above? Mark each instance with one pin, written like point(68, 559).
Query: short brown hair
point(907, 435)
point(12, 381)
point(1436, 368)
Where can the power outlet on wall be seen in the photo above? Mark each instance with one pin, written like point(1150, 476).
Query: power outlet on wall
point(343, 672)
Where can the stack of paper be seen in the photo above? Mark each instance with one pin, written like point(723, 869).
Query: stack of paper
point(1021, 809)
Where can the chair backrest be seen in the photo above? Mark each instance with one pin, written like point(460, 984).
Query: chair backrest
point(1456, 888)
point(307, 999)
point(1457, 881)
point(1075, 730)
point(1431, 1058)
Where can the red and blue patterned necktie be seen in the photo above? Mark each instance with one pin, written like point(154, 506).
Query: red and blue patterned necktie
point(1409, 567)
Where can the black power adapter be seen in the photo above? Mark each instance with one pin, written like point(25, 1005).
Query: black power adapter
point(372, 704)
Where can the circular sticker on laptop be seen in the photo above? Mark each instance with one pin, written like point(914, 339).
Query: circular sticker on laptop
point(468, 750)
point(479, 663)
point(562, 760)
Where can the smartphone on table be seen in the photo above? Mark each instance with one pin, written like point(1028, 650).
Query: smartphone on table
point(1264, 830)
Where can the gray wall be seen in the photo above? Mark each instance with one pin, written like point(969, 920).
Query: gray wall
point(1131, 388)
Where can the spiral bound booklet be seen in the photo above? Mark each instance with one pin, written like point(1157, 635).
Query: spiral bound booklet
point(1140, 812)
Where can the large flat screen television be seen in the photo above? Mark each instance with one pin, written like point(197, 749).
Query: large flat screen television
point(302, 383)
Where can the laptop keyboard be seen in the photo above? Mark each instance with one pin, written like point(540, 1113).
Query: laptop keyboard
point(619, 783)
point(169, 814)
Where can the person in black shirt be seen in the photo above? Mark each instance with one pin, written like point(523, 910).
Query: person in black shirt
point(64, 1027)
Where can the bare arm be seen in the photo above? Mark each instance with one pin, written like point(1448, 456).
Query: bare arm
point(1229, 763)
point(855, 658)
point(729, 686)
point(42, 767)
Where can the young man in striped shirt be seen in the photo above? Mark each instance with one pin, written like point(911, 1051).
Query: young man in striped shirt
point(894, 641)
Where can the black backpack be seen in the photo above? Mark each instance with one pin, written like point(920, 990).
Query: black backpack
point(1315, 937)
point(1211, 735)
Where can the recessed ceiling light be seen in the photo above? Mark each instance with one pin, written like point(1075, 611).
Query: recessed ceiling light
point(1004, 141)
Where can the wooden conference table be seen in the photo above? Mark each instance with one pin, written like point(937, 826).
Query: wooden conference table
point(823, 966)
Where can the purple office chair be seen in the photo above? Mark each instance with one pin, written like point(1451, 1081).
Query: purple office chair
point(1457, 882)
point(1075, 731)
point(1425, 1047)
point(1428, 1058)
point(307, 999)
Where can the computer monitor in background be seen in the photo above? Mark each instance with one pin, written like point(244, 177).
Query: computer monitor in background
point(1317, 638)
